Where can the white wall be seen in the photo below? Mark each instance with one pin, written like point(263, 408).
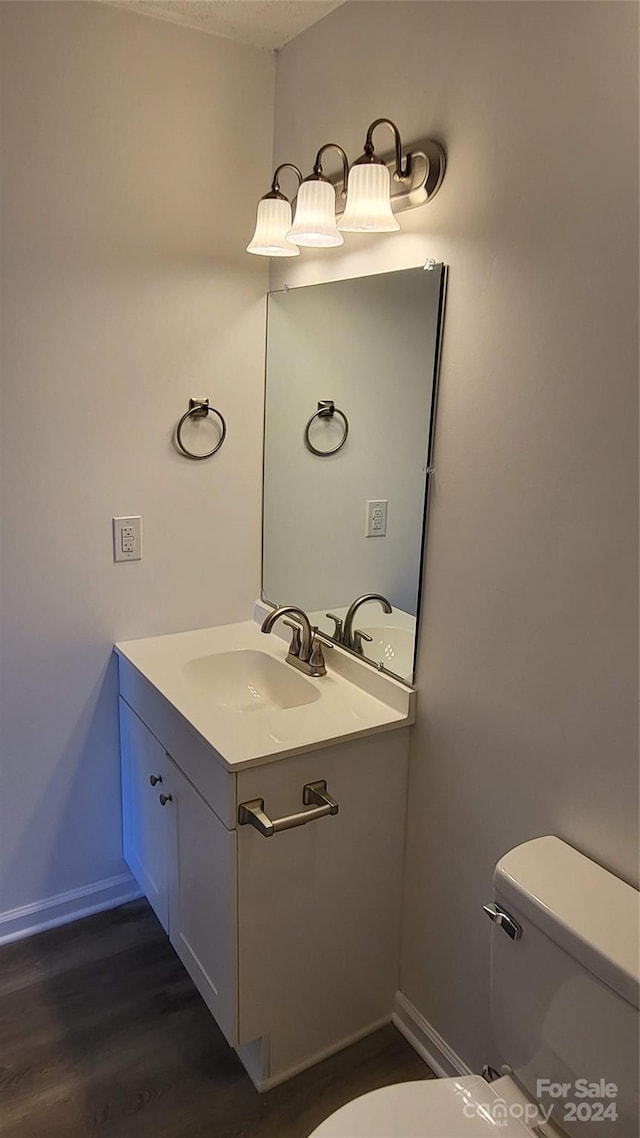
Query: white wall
point(133, 155)
point(527, 670)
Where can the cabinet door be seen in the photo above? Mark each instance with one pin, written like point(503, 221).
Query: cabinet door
point(203, 906)
point(146, 826)
point(319, 906)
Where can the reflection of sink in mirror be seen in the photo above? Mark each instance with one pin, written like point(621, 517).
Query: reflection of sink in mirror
point(393, 636)
point(246, 680)
point(392, 647)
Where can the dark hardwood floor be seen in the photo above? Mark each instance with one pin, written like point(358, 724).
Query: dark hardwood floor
point(102, 1033)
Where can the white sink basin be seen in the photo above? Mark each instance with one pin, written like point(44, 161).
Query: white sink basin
point(246, 680)
point(392, 647)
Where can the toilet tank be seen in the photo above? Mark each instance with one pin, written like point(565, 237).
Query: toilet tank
point(564, 996)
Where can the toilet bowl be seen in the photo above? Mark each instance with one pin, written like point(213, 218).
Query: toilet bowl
point(466, 1107)
point(565, 981)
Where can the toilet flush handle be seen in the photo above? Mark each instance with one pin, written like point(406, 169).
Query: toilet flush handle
point(505, 920)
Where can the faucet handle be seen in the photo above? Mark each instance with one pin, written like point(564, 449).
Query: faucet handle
point(339, 624)
point(358, 637)
point(316, 659)
point(294, 647)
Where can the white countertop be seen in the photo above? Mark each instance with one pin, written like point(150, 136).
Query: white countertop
point(353, 699)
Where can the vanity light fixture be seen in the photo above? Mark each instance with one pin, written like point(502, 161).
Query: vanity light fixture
point(273, 221)
point(368, 208)
point(315, 222)
point(375, 187)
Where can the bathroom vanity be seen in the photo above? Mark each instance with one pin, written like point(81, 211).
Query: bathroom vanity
point(292, 938)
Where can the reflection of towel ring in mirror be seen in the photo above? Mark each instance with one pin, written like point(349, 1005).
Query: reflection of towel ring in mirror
point(199, 409)
point(326, 410)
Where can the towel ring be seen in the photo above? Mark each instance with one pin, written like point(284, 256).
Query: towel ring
point(326, 410)
point(199, 409)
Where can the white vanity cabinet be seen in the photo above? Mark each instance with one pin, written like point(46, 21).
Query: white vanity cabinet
point(292, 939)
point(184, 859)
point(146, 827)
point(202, 908)
point(319, 906)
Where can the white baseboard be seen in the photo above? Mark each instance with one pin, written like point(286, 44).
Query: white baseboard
point(266, 1083)
point(16, 924)
point(426, 1040)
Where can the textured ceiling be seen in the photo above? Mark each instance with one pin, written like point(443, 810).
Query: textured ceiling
point(263, 23)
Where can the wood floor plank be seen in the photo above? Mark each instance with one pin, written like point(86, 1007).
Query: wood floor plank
point(103, 1035)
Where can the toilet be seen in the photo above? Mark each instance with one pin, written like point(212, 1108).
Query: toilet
point(564, 1009)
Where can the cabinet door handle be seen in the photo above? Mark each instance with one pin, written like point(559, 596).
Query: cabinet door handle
point(164, 798)
point(154, 778)
point(313, 794)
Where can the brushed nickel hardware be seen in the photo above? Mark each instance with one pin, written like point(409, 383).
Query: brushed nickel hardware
point(347, 634)
point(295, 646)
point(318, 172)
point(305, 650)
point(489, 1073)
point(303, 619)
point(155, 778)
point(164, 798)
point(275, 185)
point(199, 409)
point(337, 632)
point(326, 410)
point(316, 659)
point(358, 636)
point(314, 794)
point(500, 917)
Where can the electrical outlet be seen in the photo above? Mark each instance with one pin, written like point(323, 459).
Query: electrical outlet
point(376, 518)
point(127, 539)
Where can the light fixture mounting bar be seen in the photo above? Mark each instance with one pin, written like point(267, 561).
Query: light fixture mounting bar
point(427, 162)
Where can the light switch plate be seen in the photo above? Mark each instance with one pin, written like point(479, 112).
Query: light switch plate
point(127, 539)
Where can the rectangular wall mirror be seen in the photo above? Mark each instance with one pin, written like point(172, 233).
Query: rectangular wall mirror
point(350, 409)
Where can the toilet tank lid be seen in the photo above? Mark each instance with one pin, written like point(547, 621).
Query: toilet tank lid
point(590, 913)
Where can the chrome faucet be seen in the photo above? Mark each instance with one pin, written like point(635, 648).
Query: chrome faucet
point(352, 639)
point(305, 650)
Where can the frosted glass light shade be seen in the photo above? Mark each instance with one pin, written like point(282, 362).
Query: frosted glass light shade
point(368, 208)
point(272, 225)
point(315, 221)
